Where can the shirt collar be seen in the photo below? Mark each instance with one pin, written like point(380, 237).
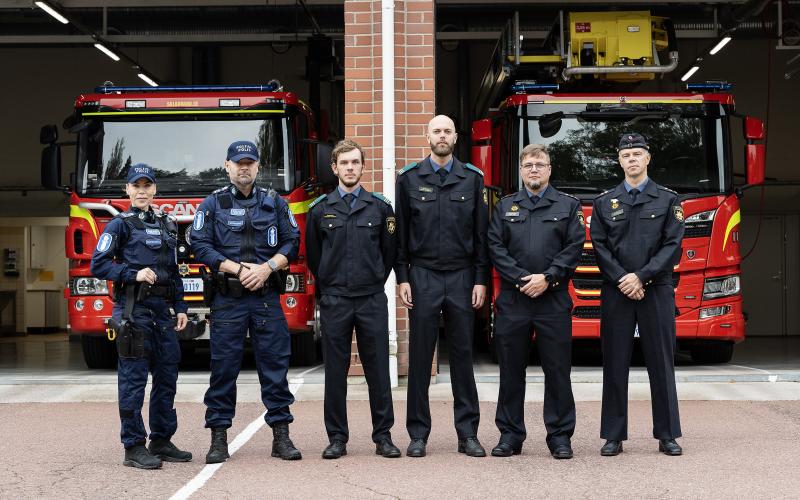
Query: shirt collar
point(540, 195)
point(342, 192)
point(641, 187)
point(239, 195)
point(447, 166)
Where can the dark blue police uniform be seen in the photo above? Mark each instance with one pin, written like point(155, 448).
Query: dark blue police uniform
point(641, 235)
point(351, 249)
point(535, 235)
point(132, 241)
point(230, 225)
point(442, 221)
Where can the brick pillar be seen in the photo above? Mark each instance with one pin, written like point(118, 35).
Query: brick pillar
point(414, 100)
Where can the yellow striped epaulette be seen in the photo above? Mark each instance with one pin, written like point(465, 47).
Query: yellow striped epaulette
point(381, 197)
point(315, 202)
point(407, 168)
point(470, 166)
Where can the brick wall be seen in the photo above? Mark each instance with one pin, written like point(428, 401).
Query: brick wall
point(414, 100)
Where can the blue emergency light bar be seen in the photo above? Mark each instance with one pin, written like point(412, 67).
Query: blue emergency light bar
point(269, 87)
point(523, 87)
point(718, 86)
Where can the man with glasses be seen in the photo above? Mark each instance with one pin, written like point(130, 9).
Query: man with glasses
point(636, 232)
point(535, 240)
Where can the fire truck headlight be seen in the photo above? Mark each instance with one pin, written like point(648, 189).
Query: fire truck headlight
point(89, 286)
point(724, 286)
point(294, 283)
point(79, 305)
point(710, 312)
point(706, 216)
point(97, 305)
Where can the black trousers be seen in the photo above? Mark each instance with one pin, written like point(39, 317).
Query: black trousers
point(434, 292)
point(517, 317)
point(655, 315)
point(369, 316)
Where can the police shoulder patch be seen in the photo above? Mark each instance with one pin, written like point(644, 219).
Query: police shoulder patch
point(292, 220)
point(678, 211)
point(199, 220)
point(407, 168)
point(581, 217)
point(317, 201)
point(104, 243)
point(381, 197)
point(470, 166)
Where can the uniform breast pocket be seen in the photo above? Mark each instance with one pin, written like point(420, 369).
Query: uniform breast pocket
point(652, 220)
point(229, 231)
point(331, 226)
point(265, 230)
point(422, 201)
point(369, 227)
point(515, 226)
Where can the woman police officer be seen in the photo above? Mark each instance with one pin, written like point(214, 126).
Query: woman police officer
point(137, 252)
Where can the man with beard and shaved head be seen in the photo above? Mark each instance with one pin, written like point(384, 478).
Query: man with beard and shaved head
point(442, 267)
point(535, 240)
point(351, 248)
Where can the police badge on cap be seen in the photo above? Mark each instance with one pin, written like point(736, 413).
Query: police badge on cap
point(632, 140)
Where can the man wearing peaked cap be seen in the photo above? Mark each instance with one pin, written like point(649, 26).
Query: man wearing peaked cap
point(636, 232)
point(245, 233)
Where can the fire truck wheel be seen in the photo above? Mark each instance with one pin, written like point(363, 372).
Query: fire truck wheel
point(712, 353)
point(304, 350)
point(98, 351)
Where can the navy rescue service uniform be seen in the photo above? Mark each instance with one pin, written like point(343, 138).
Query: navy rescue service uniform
point(642, 236)
point(351, 249)
point(535, 235)
point(246, 229)
point(441, 225)
point(132, 241)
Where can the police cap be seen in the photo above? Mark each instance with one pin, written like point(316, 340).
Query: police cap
point(632, 140)
point(242, 149)
point(139, 171)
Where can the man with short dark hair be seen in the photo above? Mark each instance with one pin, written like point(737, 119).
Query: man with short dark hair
point(636, 232)
point(351, 247)
point(535, 239)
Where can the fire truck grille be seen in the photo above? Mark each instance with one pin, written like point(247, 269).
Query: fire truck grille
point(587, 312)
point(698, 230)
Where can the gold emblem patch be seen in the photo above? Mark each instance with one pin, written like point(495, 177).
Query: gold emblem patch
point(391, 225)
point(514, 208)
point(581, 219)
point(678, 210)
point(485, 197)
point(614, 203)
point(183, 269)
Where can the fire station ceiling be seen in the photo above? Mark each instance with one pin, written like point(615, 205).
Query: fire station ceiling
point(198, 22)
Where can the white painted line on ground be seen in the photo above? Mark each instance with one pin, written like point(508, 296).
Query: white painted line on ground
point(773, 378)
point(749, 368)
point(205, 474)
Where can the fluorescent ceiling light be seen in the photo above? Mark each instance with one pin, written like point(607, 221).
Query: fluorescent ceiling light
point(719, 45)
point(52, 12)
point(105, 50)
point(690, 73)
point(148, 80)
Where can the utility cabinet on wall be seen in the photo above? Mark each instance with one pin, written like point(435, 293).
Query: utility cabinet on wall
point(37, 248)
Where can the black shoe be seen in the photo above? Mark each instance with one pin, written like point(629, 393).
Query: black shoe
point(387, 449)
point(168, 452)
point(282, 446)
point(218, 452)
point(505, 450)
point(416, 448)
point(138, 456)
point(471, 447)
point(561, 451)
point(669, 447)
point(611, 448)
point(337, 449)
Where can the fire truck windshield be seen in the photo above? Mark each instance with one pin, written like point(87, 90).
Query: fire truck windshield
point(188, 155)
point(689, 144)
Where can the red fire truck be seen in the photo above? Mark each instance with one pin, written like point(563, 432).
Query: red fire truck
point(182, 132)
point(692, 153)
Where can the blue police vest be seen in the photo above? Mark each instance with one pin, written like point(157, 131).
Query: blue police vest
point(247, 229)
point(150, 243)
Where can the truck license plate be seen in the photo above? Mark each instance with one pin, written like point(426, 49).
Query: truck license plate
point(191, 285)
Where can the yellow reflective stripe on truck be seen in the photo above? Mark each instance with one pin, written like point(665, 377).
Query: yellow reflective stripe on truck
point(300, 207)
point(82, 213)
point(736, 218)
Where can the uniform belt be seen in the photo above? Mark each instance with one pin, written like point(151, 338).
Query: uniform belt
point(232, 287)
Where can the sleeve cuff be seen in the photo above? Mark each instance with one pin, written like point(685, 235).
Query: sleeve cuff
point(401, 273)
point(180, 307)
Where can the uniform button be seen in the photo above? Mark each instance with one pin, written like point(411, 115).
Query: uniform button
point(652, 215)
point(462, 197)
point(330, 225)
point(369, 223)
point(423, 198)
point(555, 218)
point(613, 218)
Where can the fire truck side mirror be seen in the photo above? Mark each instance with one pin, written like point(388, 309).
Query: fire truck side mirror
point(51, 167)
point(755, 154)
point(48, 134)
point(324, 171)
